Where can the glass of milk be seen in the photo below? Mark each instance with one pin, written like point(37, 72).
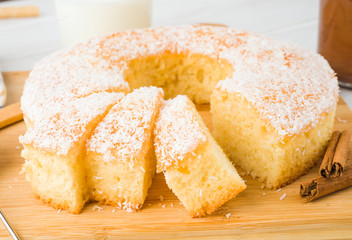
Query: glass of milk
point(80, 20)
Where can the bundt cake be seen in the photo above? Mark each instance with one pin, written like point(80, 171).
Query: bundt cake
point(272, 103)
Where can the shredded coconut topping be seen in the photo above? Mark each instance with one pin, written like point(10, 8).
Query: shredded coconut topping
point(64, 76)
point(177, 132)
point(291, 88)
point(125, 129)
point(63, 130)
point(128, 206)
point(287, 85)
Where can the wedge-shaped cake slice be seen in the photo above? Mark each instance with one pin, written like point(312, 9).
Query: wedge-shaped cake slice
point(54, 149)
point(195, 167)
point(120, 155)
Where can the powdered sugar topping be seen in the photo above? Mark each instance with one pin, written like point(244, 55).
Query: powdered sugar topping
point(124, 131)
point(63, 130)
point(177, 132)
point(291, 88)
point(288, 86)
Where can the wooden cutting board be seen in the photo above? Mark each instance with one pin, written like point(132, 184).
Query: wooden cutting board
point(255, 213)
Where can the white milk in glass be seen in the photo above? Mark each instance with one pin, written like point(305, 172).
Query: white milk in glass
point(80, 20)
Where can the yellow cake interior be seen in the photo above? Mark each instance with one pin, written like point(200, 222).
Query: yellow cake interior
point(204, 178)
point(256, 147)
point(192, 75)
point(120, 158)
point(118, 183)
point(60, 180)
point(204, 181)
point(251, 143)
point(57, 180)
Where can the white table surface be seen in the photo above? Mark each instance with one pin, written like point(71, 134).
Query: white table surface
point(24, 41)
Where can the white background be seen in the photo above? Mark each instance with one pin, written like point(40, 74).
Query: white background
point(24, 41)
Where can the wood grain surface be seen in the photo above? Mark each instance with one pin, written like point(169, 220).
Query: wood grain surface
point(255, 214)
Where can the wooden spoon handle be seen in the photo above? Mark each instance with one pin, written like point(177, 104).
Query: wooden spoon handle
point(19, 12)
point(10, 114)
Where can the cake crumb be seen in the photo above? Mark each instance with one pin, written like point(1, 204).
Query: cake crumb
point(100, 192)
point(200, 192)
point(262, 187)
point(97, 178)
point(59, 210)
point(114, 210)
point(278, 190)
point(163, 206)
point(95, 207)
point(161, 198)
point(264, 194)
point(283, 196)
point(18, 147)
point(15, 179)
point(228, 215)
point(10, 186)
point(172, 205)
point(142, 169)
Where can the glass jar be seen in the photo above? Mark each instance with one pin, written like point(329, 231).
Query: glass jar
point(335, 37)
point(80, 20)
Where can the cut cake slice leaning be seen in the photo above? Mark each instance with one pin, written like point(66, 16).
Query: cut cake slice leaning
point(195, 167)
point(120, 155)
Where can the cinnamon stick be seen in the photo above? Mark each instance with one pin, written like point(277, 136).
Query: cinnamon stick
point(320, 187)
point(340, 157)
point(336, 154)
point(326, 165)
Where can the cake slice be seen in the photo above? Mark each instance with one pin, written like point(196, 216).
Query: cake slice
point(120, 157)
point(53, 151)
point(195, 167)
